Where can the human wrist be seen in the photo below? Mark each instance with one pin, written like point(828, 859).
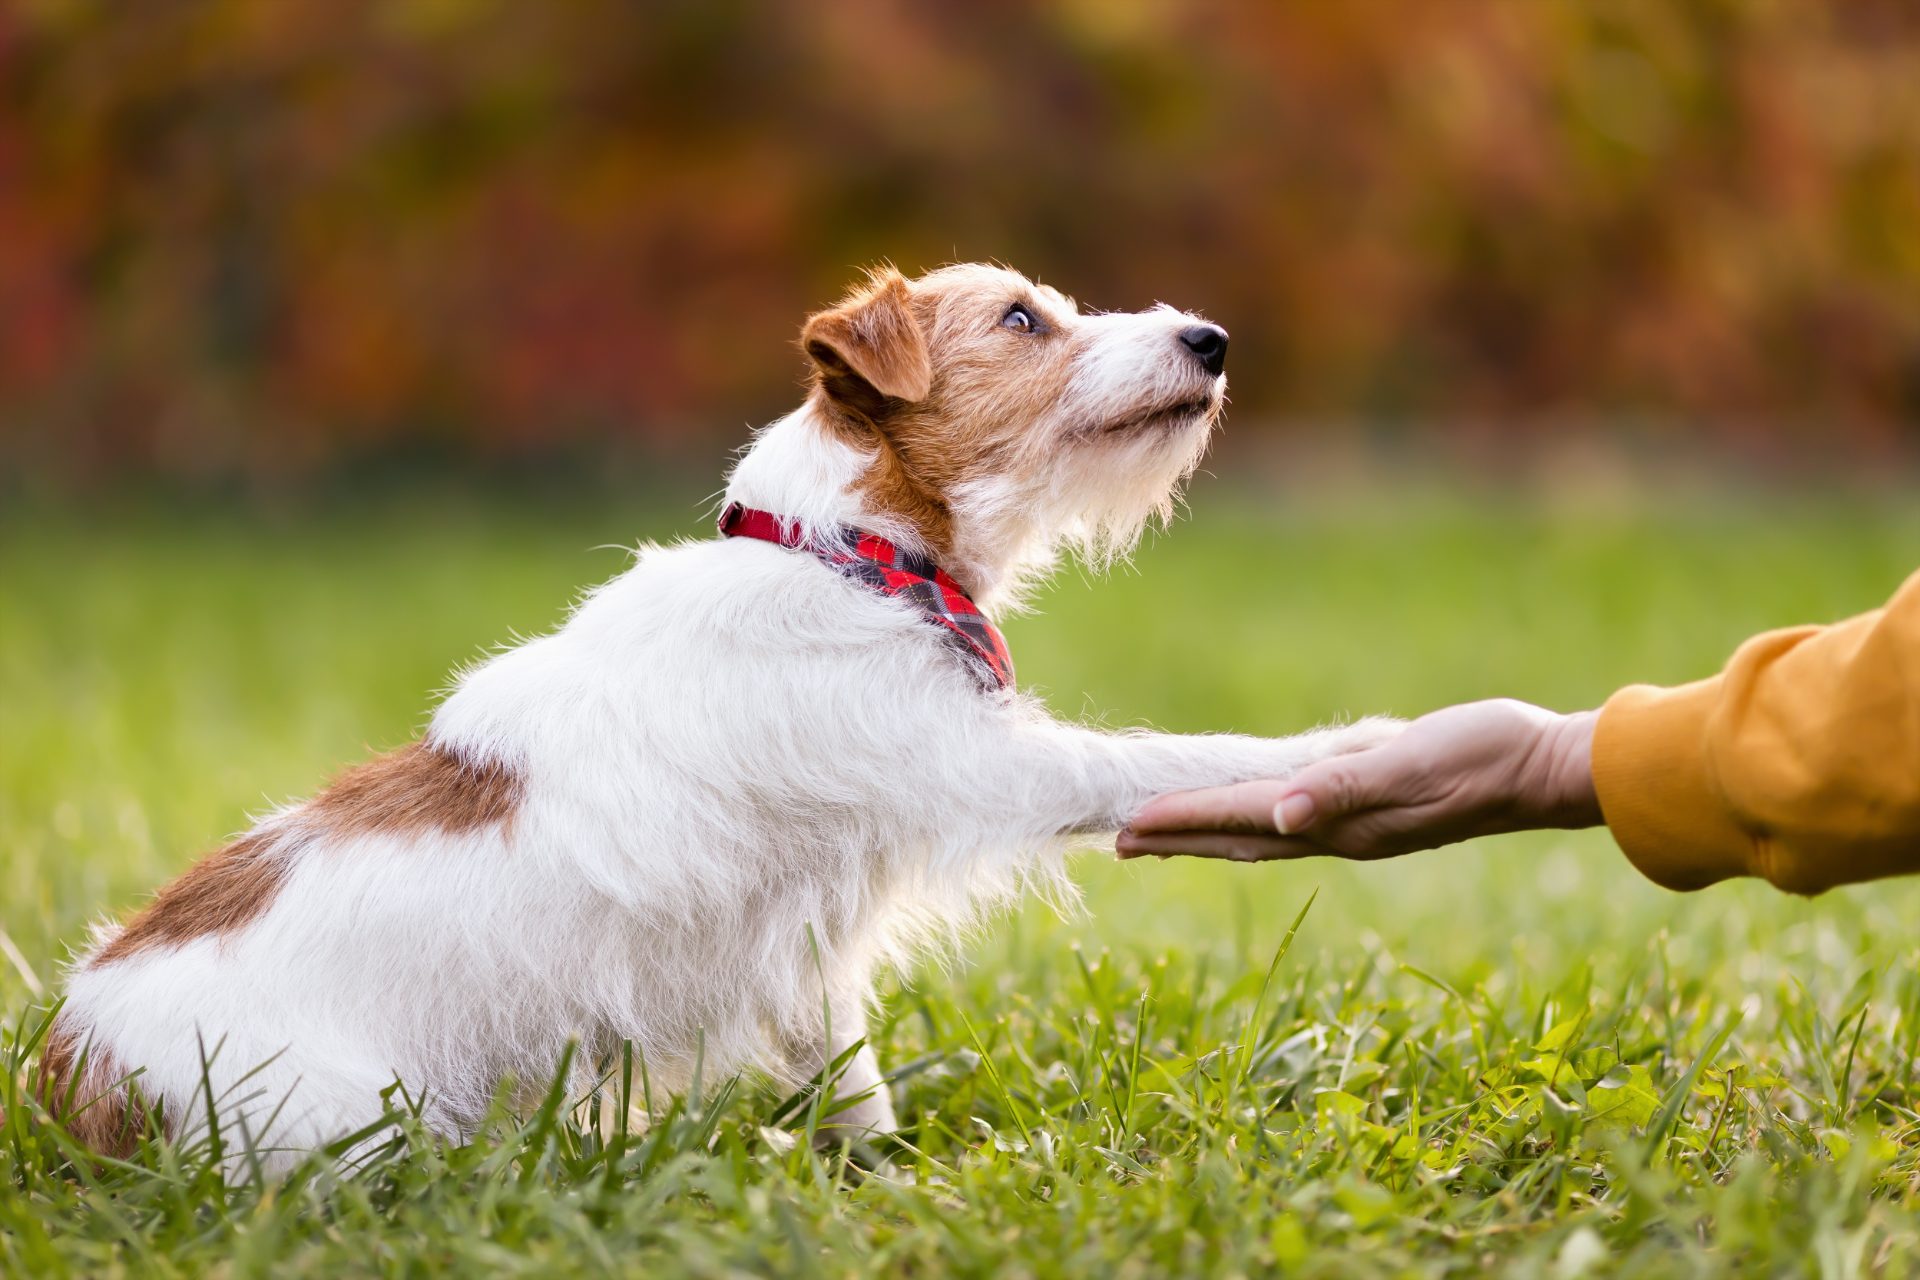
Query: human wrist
point(1565, 755)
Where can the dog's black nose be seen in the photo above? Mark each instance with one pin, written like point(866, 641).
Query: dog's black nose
point(1209, 343)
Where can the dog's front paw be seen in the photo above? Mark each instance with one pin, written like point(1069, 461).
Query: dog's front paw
point(1364, 735)
point(1281, 758)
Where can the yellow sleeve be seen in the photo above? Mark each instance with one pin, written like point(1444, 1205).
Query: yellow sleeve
point(1800, 762)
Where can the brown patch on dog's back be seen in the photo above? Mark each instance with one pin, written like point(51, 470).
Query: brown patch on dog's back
point(100, 1108)
point(219, 893)
point(417, 788)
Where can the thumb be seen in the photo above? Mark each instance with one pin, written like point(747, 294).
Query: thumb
point(1328, 790)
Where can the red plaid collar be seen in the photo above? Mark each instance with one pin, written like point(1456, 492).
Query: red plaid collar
point(879, 564)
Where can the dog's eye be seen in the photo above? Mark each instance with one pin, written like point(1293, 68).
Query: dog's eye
point(1019, 319)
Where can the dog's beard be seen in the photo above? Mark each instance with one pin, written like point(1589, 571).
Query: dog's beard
point(1118, 487)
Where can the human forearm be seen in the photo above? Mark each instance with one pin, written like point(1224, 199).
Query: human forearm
point(1800, 763)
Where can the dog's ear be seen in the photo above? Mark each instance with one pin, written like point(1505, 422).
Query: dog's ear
point(868, 351)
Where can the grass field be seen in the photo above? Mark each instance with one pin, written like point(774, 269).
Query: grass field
point(1515, 1056)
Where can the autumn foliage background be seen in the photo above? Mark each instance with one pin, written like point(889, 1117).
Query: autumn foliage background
point(265, 240)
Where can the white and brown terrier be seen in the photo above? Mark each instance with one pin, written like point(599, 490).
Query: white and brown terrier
point(744, 775)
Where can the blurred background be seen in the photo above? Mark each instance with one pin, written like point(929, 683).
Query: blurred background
point(263, 245)
point(1573, 343)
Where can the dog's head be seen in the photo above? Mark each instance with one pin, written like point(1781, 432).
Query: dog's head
point(1001, 420)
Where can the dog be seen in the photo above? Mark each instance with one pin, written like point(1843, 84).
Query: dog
point(745, 775)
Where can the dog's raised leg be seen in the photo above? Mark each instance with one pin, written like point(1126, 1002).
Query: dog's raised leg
point(1078, 780)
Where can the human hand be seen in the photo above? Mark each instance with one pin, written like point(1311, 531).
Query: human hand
point(1471, 770)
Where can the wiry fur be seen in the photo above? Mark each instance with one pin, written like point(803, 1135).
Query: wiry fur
point(734, 784)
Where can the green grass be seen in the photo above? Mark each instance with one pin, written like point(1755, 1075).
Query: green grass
point(1515, 1056)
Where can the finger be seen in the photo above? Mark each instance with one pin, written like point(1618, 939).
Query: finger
point(1245, 806)
point(1223, 846)
point(1338, 787)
